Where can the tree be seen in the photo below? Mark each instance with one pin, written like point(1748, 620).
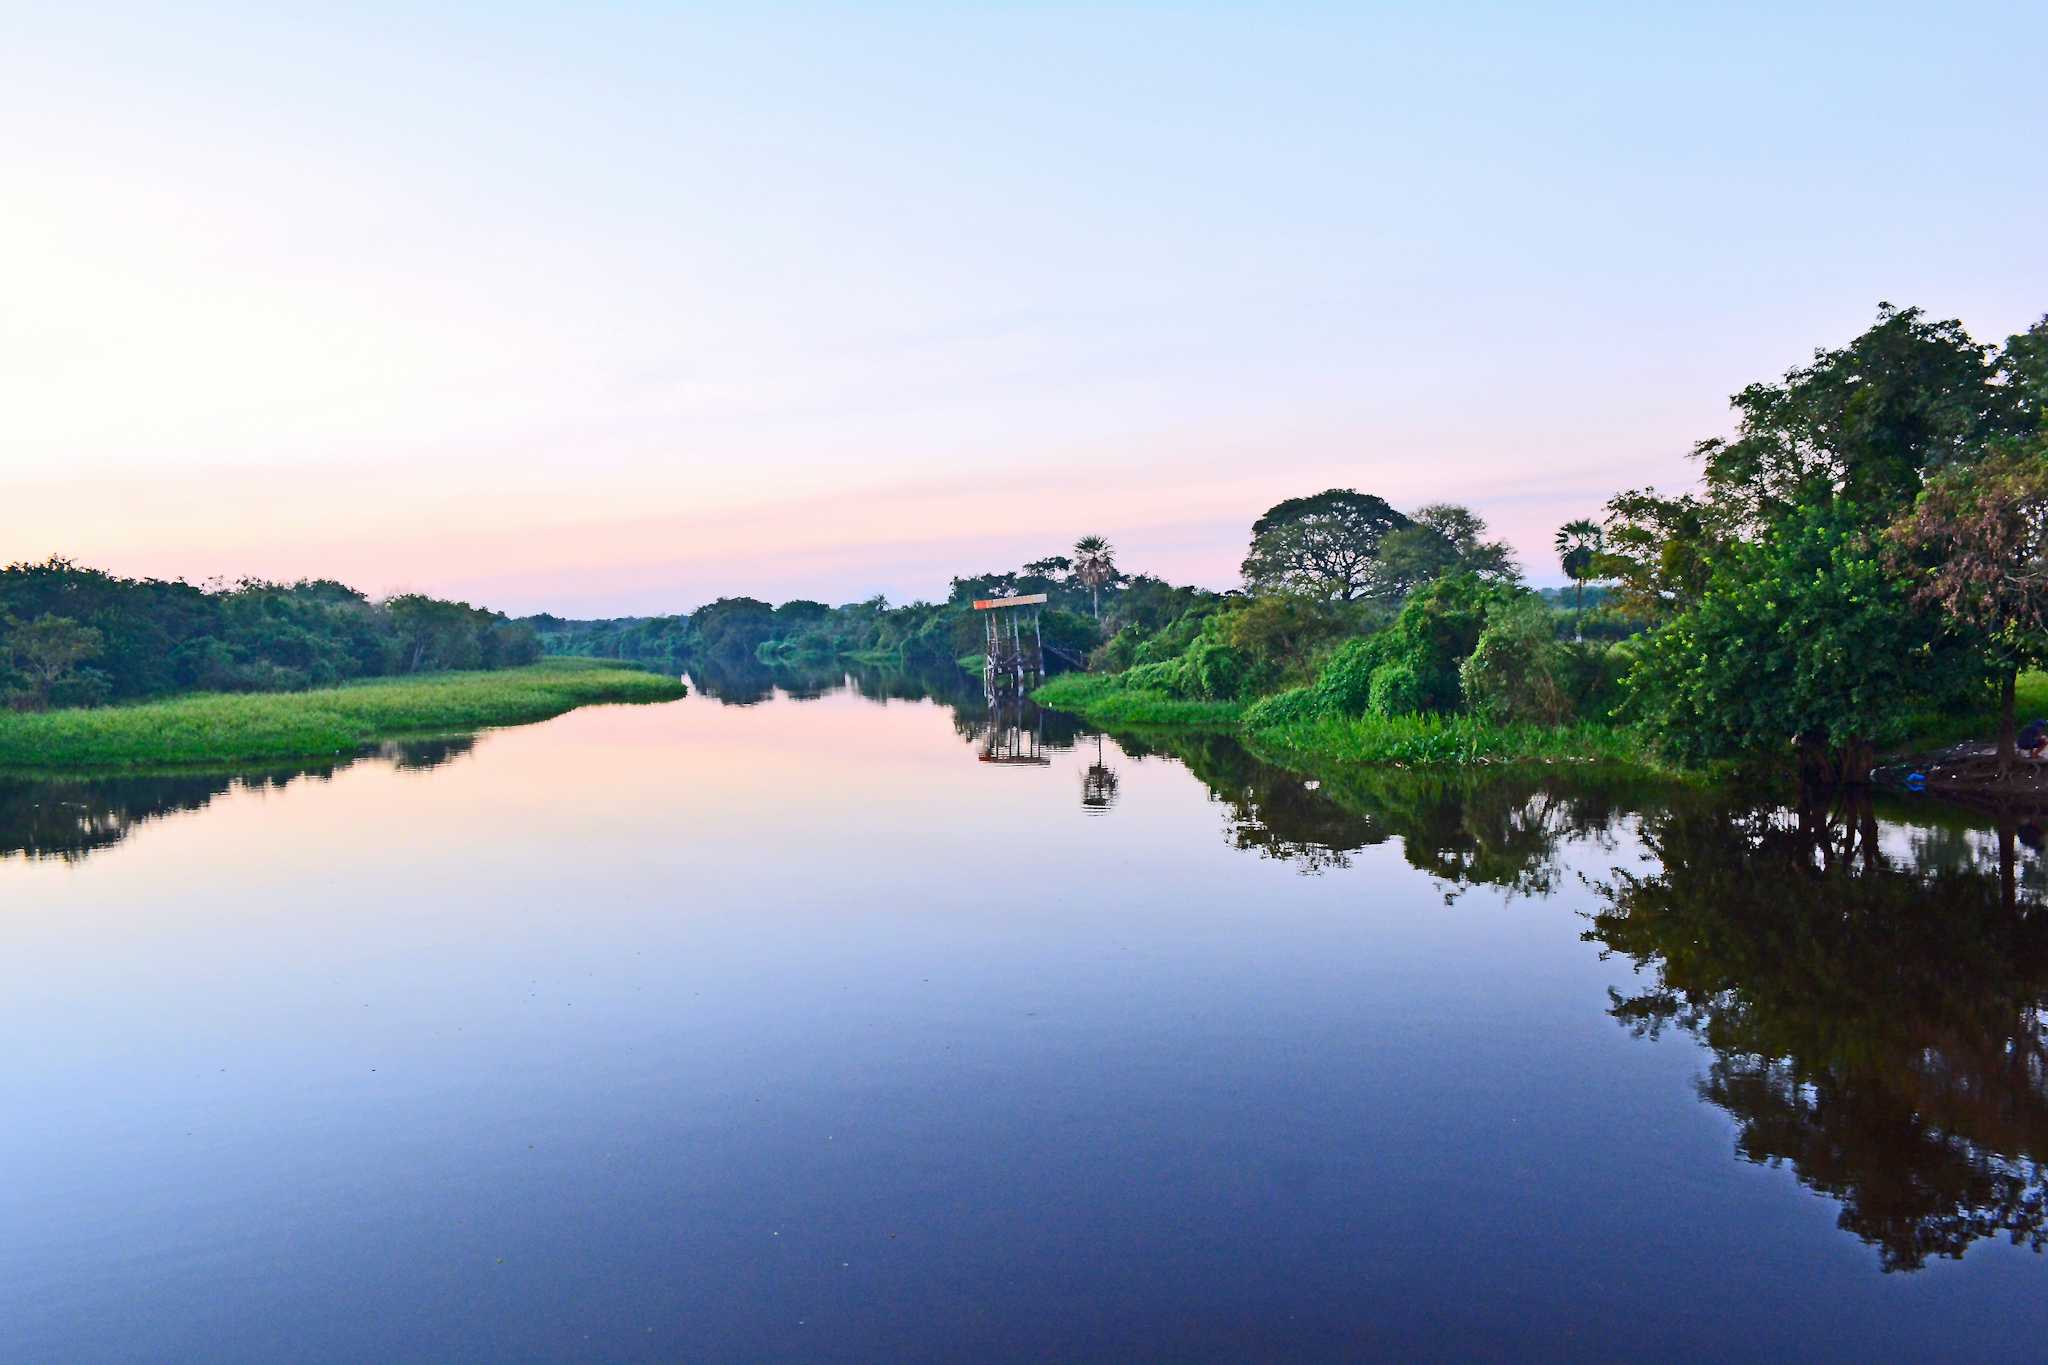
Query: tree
point(49, 650)
point(1094, 565)
point(1862, 423)
point(1443, 538)
point(1984, 527)
point(1579, 544)
point(1802, 635)
point(1324, 546)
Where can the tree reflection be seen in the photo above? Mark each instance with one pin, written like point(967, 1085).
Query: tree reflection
point(72, 818)
point(1876, 1020)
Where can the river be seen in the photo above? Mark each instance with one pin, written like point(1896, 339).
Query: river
point(826, 1021)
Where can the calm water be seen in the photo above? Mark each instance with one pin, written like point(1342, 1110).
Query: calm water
point(811, 1025)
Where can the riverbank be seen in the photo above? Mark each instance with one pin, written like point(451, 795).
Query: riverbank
point(214, 728)
point(1418, 741)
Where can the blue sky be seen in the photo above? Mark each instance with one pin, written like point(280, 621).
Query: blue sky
point(619, 308)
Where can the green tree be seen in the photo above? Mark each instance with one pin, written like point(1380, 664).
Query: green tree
point(1803, 635)
point(1579, 545)
point(1324, 546)
point(1095, 565)
point(1863, 423)
point(1982, 529)
point(48, 652)
point(1442, 538)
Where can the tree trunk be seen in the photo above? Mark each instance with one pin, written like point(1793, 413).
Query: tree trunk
point(1578, 611)
point(2007, 745)
point(1095, 599)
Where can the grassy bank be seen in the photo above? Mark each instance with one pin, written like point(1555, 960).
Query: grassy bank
point(2030, 699)
point(1416, 741)
point(214, 728)
point(1423, 741)
point(1104, 700)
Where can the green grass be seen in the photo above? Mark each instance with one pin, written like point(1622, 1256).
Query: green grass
point(2030, 699)
point(1101, 699)
point(216, 728)
point(1424, 741)
point(1442, 741)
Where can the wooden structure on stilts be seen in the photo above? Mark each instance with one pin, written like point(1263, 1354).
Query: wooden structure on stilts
point(1016, 648)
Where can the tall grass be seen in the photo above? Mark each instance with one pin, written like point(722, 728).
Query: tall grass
point(1104, 700)
point(214, 728)
point(1443, 741)
point(1421, 741)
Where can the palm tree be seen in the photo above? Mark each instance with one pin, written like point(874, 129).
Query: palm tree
point(1578, 550)
point(1095, 565)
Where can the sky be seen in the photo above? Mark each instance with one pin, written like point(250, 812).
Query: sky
point(613, 309)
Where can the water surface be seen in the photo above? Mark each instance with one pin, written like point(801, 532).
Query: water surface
point(829, 1021)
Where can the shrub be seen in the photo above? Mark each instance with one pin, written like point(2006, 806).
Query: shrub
point(1397, 691)
point(1217, 670)
point(1160, 677)
point(1295, 705)
point(1345, 684)
point(1517, 671)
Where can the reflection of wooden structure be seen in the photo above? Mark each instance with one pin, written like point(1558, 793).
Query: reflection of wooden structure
point(1011, 742)
point(1098, 785)
point(1015, 658)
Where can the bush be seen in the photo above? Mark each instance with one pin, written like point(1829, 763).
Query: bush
point(1345, 684)
point(1160, 677)
point(1118, 652)
point(1397, 690)
point(1217, 670)
point(1295, 705)
point(1517, 671)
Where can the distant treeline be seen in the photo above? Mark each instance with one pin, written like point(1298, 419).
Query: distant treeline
point(73, 636)
point(912, 635)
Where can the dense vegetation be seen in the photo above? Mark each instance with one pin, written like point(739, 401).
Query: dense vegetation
point(1865, 560)
point(215, 728)
point(73, 636)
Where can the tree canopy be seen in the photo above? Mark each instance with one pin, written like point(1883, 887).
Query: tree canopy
point(1324, 546)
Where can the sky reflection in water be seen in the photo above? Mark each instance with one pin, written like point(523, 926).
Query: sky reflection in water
point(753, 1026)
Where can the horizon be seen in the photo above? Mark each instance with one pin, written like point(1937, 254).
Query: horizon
point(615, 314)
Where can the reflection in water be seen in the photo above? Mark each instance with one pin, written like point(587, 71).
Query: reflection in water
point(1875, 1019)
point(1013, 735)
point(1098, 784)
point(1869, 983)
point(1871, 992)
point(72, 818)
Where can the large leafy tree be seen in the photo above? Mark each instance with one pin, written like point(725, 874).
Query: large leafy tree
point(1802, 635)
point(1980, 535)
point(1443, 539)
point(1324, 546)
point(1863, 423)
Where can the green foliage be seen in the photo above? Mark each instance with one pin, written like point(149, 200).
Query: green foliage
point(1517, 670)
point(151, 638)
point(1802, 633)
point(1437, 628)
point(1115, 701)
point(1323, 546)
point(1344, 687)
point(218, 728)
point(1396, 690)
point(1437, 741)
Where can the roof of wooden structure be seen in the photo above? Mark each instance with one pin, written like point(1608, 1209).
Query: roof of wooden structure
point(991, 603)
